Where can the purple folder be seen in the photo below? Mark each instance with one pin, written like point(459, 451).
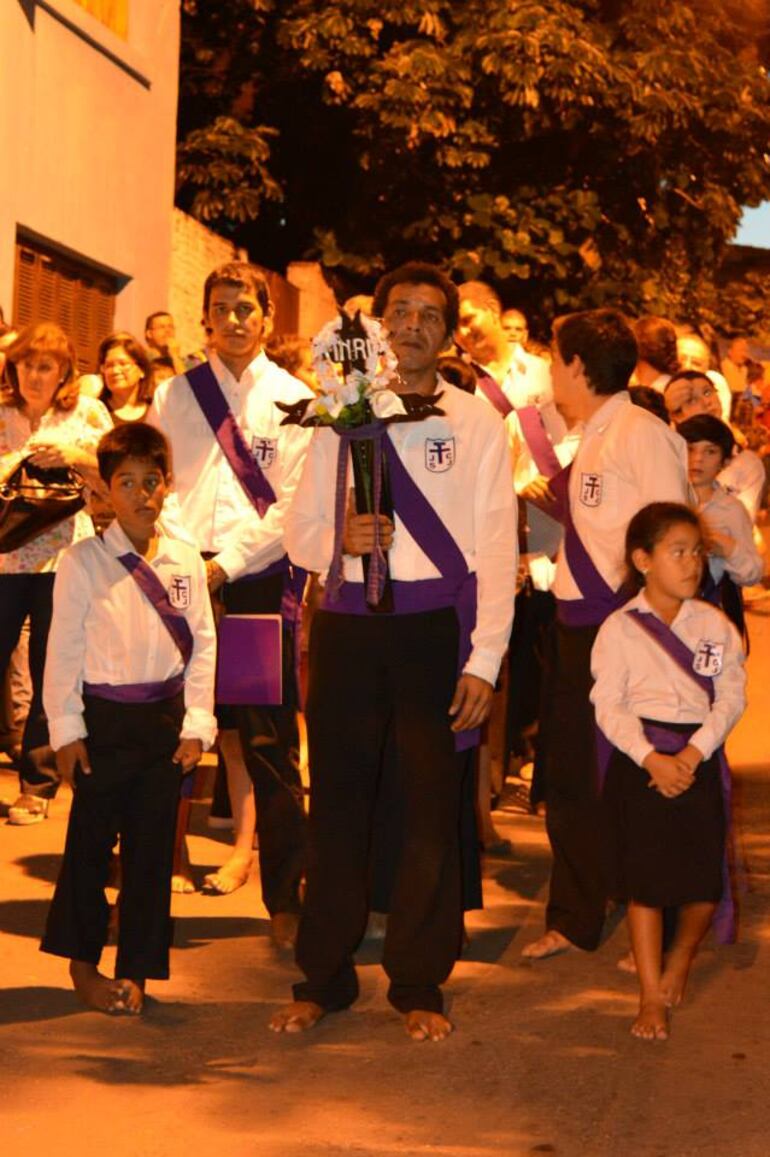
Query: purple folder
point(249, 659)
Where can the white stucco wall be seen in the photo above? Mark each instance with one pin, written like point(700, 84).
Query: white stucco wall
point(87, 141)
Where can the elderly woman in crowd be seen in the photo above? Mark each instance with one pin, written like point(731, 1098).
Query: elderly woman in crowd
point(45, 421)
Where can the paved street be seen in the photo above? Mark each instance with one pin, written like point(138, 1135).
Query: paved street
point(542, 1061)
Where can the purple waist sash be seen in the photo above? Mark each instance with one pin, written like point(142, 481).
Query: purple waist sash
point(669, 742)
point(412, 598)
point(137, 692)
point(538, 442)
point(213, 403)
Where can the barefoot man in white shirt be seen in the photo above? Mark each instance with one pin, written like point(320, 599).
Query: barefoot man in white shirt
point(419, 679)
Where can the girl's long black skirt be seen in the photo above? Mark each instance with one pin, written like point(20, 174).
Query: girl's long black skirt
point(663, 852)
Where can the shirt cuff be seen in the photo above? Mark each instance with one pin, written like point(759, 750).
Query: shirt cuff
point(66, 729)
point(199, 724)
point(230, 562)
point(484, 665)
point(703, 741)
point(639, 751)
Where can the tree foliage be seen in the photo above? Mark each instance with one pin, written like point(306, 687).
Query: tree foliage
point(570, 151)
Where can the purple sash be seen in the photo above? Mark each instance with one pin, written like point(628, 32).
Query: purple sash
point(212, 401)
point(671, 742)
point(492, 391)
point(538, 442)
point(154, 591)
point(457, 586)
point(598, 600)
point(137, 692)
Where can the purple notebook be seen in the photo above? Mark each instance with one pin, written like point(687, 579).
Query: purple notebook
point(249, 658)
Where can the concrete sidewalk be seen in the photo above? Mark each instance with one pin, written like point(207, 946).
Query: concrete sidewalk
point(541, 1062)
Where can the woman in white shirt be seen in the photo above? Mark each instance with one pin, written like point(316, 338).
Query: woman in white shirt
point(45, 420)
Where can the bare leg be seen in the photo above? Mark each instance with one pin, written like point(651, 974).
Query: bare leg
point(298, 1016)
point(692, 925)
point(235, 871)
point(433, 1026)
point(181, 873)
point(490, 837)
point(94, 989)
point(646, 928)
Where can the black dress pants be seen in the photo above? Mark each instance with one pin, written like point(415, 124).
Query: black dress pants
point(270, 742)
point(376, 681)
point(132, 793)
point(567, 749)
point(22, 595)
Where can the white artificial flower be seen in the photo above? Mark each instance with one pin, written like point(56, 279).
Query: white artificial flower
point(386, 404)
point(350, 393)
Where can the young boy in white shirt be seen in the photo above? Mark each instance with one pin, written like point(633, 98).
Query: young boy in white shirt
point(129, 695)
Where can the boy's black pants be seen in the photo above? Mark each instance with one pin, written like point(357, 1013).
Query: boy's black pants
point(132, 792)
point(373, 681)
point(577, 900)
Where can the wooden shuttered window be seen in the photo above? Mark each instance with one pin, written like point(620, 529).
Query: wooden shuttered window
point(51, 287)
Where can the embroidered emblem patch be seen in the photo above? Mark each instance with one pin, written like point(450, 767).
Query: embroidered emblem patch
point(439, 454)
point(264, 451)
point(179, 591)
point(591, 489)
point(708, 658)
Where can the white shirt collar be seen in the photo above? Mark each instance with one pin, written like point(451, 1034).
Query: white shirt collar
point(602, 417)
point(251, 376)
point(117, 542)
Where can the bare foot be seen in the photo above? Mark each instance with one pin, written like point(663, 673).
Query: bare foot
point(231, 876)
point(627, 963)
point(673, 982)
point(421, 1025)
point(182, 884)
point(296, 1017)
point(94, 989)
point(552, 944)
point(131, 998)
point(652, 1021)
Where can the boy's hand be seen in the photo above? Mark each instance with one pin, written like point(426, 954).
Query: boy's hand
point(188, 754)
point(472, 702)
point(668, 775)
point(69, 757)
point(538, 488)
point(216, 576)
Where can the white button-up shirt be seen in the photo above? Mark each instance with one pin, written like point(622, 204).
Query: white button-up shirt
point(636, 679)
point(724, 513)
point(527, 381)
point(744, 476)
point(105, 630)
point(208, 504)
point(627, 459)
point(469, 486)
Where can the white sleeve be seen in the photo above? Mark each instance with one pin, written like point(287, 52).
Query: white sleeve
point(199, 719)
point(610, 671)
point(730, 696)
point(309, 530)
point(253, 543)
point(496, 558)
point(745, 565)
point(65, 653)
point(659, 464)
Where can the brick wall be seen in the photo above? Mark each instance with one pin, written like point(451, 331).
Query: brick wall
point(303, 302)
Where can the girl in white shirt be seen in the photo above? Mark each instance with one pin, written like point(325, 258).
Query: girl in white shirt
point(669, 688)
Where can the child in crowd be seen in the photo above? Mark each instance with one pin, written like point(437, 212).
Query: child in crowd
point(669, 688)
point(129, 695)
point(733, 559)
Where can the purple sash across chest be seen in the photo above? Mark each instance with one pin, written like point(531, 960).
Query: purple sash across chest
point(598, 600)
point(213, 403)
point(670, 742)
point(175, 623)
point(492, 392)
point(538, 442)
point(455, 588)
